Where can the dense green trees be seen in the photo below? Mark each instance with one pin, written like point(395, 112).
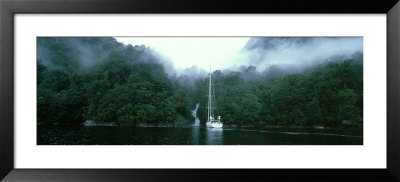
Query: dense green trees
point(127, 85)
point(326, 96)
point(100, 79)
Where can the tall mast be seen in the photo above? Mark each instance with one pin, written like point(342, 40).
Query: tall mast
point(209, 96)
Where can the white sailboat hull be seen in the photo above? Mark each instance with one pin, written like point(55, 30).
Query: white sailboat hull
point(214, 125)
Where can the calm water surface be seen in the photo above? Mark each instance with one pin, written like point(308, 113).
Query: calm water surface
point(102, 135)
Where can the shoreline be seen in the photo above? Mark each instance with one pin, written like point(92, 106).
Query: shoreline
point(172, 125)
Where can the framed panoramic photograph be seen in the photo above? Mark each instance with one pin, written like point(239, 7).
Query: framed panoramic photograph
point(156, 90)
point(131, 90)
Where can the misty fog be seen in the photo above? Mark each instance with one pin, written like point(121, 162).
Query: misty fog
point(253, 57)
point(298, 52)
point(271, 56)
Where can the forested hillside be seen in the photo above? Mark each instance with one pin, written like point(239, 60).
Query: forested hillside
point(116, 84)
point(326, 96)
point(100, 79)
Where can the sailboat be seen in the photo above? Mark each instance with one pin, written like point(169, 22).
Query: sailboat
point(211, 121)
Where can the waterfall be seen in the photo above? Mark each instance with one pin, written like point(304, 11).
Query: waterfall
point(194, 114)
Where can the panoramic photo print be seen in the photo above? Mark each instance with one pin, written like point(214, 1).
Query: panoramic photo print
point(199, 90)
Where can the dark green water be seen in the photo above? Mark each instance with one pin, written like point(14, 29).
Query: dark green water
point(102, 135)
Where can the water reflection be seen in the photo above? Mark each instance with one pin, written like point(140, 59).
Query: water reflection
point(214, 136)
point(96, 135)
point(195, 135)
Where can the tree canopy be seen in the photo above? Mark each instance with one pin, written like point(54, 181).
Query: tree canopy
point(100, 79)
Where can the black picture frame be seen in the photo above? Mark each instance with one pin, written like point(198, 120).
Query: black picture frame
point(8, 8)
